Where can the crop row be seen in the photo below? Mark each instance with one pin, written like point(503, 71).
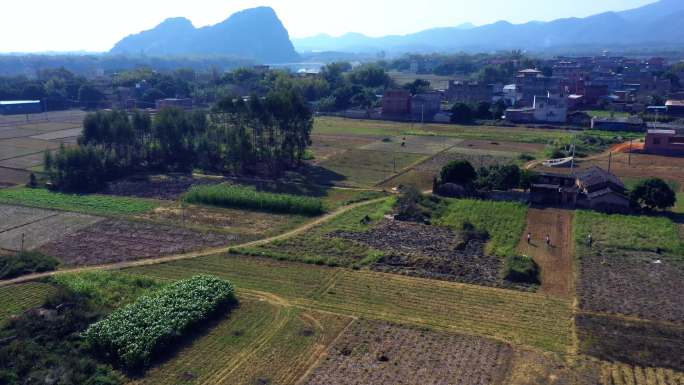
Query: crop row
point(132, 335)
point(242, 197)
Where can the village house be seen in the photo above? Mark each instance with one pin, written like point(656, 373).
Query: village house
point(675, 107)
point(532, 82)
point(594, 189)
point(545, 109)
point(396, 104)
point(664, 142)
point(470, 93)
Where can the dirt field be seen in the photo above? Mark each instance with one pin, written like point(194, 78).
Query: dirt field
point(488, 145)
point(367, 168)
point(38, 227)
point(556, 262)
point(429, 252)
point(117, 240)
point(326, 146)
point(247, 224)
point(164, 187)
point(478, 158)
point(639, 343)
point(631, 283)
point(380, 353)
point(531, 367)
point(427, 145)
point(15, 148)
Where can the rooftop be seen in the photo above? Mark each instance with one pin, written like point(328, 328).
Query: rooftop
point(597, 175)
point(662, 132)
point(13, 102)
point(674, 103)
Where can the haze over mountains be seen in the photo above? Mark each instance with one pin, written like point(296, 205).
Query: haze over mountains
point(258, 34)
point(255, 34)
point(658, 24)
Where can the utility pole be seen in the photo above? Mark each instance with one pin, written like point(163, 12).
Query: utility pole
point(610, 161)
point(629, 161)
point(572, 161)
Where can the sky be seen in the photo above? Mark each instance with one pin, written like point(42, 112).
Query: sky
point(96, 25)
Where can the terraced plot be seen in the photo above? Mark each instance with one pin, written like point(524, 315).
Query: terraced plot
point(523, 318)
point(381, 353)
point(16, 299)
point(622, 374)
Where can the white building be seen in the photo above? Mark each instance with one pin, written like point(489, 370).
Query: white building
point(550, 108)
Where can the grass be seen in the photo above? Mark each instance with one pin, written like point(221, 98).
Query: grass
point(16, 299)
point(518, 317)
point(521, 269)
point(245, 197)
point(639, 233)
point(369, 167)
point(315, 247)
point(87, 204)
point(108, 289)
point(607, 114)
point(504, 221)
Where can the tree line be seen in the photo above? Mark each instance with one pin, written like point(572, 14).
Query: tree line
point(266, 135)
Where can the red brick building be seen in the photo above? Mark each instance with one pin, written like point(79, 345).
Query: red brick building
point(664, 142)
point(396, 103)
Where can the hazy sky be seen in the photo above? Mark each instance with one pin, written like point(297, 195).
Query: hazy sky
point(95, 25)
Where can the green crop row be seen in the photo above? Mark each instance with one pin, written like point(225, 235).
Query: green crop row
point(242, 197)
point(133, 334)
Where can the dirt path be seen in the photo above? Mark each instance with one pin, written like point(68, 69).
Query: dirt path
point(556, 261)
point(171, 258)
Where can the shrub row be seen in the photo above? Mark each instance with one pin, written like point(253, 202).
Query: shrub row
point(522, 269)
point(132, 335)
point(26, 262)
point(242, 197)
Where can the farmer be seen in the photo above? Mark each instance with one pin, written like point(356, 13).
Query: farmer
point(529, 238)
point(590, 240)
point(548, 240)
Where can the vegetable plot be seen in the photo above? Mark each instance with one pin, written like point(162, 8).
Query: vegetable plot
point(132, 335)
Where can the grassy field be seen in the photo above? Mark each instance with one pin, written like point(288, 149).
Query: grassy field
point(316, 247)
point(350, 127)
point(366, 167)
point(16, 299)
point(504, 221)
point(629, 232)
point(87, 204)
point(607, 114)
point(519, 317)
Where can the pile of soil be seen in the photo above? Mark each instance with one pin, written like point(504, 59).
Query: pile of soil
point(640, 284)
point(114, 241)
point(429, 252)
point(164, 187)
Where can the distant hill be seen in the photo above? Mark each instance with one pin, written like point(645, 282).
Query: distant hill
point(255, 34)
point(653, 25)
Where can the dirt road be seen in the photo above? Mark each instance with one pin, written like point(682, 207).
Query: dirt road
point(196, 254)
point(556, 261)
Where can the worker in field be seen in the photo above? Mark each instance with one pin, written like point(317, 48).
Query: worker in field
point(529, 238)
point(548, 240)
point(590, 240)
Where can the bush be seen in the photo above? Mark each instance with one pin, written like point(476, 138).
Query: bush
point(242, 197)
point(132, 335)
point(521, 269)
point(26, 262)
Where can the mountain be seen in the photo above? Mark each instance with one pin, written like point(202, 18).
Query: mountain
point(255, 34)
point(657, 25)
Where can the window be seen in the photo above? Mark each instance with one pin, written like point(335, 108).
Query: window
point(656, 141)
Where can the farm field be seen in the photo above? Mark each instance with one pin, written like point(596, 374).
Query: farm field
point(623, 272)
point(518, 317)
point(368, 168)
point(16, 299)
point(51, 228)
point(113, 241)
point(87, 204)
point(622, 374)
point(381, 353)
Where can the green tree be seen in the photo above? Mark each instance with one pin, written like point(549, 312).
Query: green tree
point(90, 97)
point(461, 113)
point(654, 194)
point(418, 86)
point(460, 172)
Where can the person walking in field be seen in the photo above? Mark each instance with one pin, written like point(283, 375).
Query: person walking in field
point(529, 238)
point(548, 240)
point(590, 240)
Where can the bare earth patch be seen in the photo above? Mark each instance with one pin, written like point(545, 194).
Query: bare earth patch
point(640, 284)
point(113, 241)
point(381, 353)
point(429, 252)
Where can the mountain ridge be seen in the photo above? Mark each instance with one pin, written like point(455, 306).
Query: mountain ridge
point(255, 33)
point(646, 25)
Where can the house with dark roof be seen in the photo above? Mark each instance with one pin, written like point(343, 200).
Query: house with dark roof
point(594, 188)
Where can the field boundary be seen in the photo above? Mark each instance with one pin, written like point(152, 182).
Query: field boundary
point(203, 253)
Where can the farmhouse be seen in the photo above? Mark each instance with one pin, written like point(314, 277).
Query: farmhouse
point(664, 142)
point(675, 107)
point(545, 109)
point(20, 107)
point(396, 103)
point(594, 189)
